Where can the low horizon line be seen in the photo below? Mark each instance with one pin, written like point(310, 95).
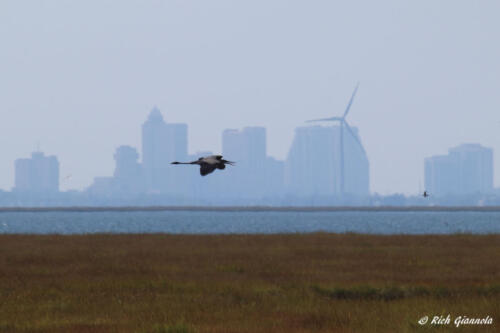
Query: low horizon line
point(250, 208)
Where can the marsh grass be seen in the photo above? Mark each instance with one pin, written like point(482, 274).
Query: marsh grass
point(395, 293)
point(176, 328)
point(246, 283)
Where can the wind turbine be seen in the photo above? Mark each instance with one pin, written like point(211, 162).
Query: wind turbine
point(343, 123)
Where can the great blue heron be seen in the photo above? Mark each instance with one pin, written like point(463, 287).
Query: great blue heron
point(209, 163)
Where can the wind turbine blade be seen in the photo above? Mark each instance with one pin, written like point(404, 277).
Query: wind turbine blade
point(354, 136)
point(350, 101)
point(325, 119)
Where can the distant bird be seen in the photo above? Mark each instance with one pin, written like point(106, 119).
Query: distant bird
point(209, 163)
point(425, 195)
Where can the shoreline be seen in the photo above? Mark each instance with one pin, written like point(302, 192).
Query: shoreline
point(254, 209)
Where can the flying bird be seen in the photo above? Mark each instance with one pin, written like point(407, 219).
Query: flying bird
point(425, 195)
point(209, 163)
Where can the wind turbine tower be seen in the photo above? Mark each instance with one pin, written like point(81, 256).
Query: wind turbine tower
point(343, 122)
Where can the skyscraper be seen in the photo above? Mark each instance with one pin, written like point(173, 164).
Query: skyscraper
point(163, 143)
point(38, 174)
point(177, 145)
point(466, 169)
point(475, 167)
point(248, 148)
point(178, 180)
point(441, 175)
point(313, 163)
point(357, 166)
point(310, 164)
point(155, 157)
point(128, 175)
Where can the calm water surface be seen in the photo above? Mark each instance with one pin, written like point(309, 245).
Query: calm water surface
point(205, 222)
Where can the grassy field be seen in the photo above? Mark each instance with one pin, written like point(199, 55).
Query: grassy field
point(246, 283)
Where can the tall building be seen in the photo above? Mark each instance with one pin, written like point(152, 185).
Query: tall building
point(38, 174)
point(313, 163)
point(128, 175)
point(155, 159)
point(256, 174)
point(475, 167)
point(310, 164)
point(441, 176)
point(466, 169)
point(163, 143)
point(178, 180)
point(357, 166)
point(231, 144)
point(247, 146)
point(177, 145)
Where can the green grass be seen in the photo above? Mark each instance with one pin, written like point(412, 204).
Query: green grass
point(246, 283)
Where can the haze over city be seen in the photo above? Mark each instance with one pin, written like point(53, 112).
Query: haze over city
point(282, 166)
point(79, 85)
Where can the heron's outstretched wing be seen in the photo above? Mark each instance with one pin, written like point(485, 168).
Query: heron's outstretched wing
point(205, 169)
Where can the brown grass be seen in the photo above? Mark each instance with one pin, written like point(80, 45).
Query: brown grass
point(246, 283)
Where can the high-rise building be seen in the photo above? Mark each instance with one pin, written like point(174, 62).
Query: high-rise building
point(177, 145)
point(231, 144)
point(38, 174)
point(155, 151)
point(441, 175)
point(313, 163)
point(256, 174)
point(247, 146)
point(467, 169)
point(475, 167)
point(163, 143)
point(310, 164)
point(128, 175)
point(357, 166)
point(178, 180)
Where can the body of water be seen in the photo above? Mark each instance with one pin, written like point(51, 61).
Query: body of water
point(245, 222)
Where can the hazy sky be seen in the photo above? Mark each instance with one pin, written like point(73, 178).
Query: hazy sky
point(80, 77)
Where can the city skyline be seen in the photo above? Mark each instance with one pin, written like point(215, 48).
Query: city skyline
point(256, 175)
point(311, 169)
point(429, 75)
